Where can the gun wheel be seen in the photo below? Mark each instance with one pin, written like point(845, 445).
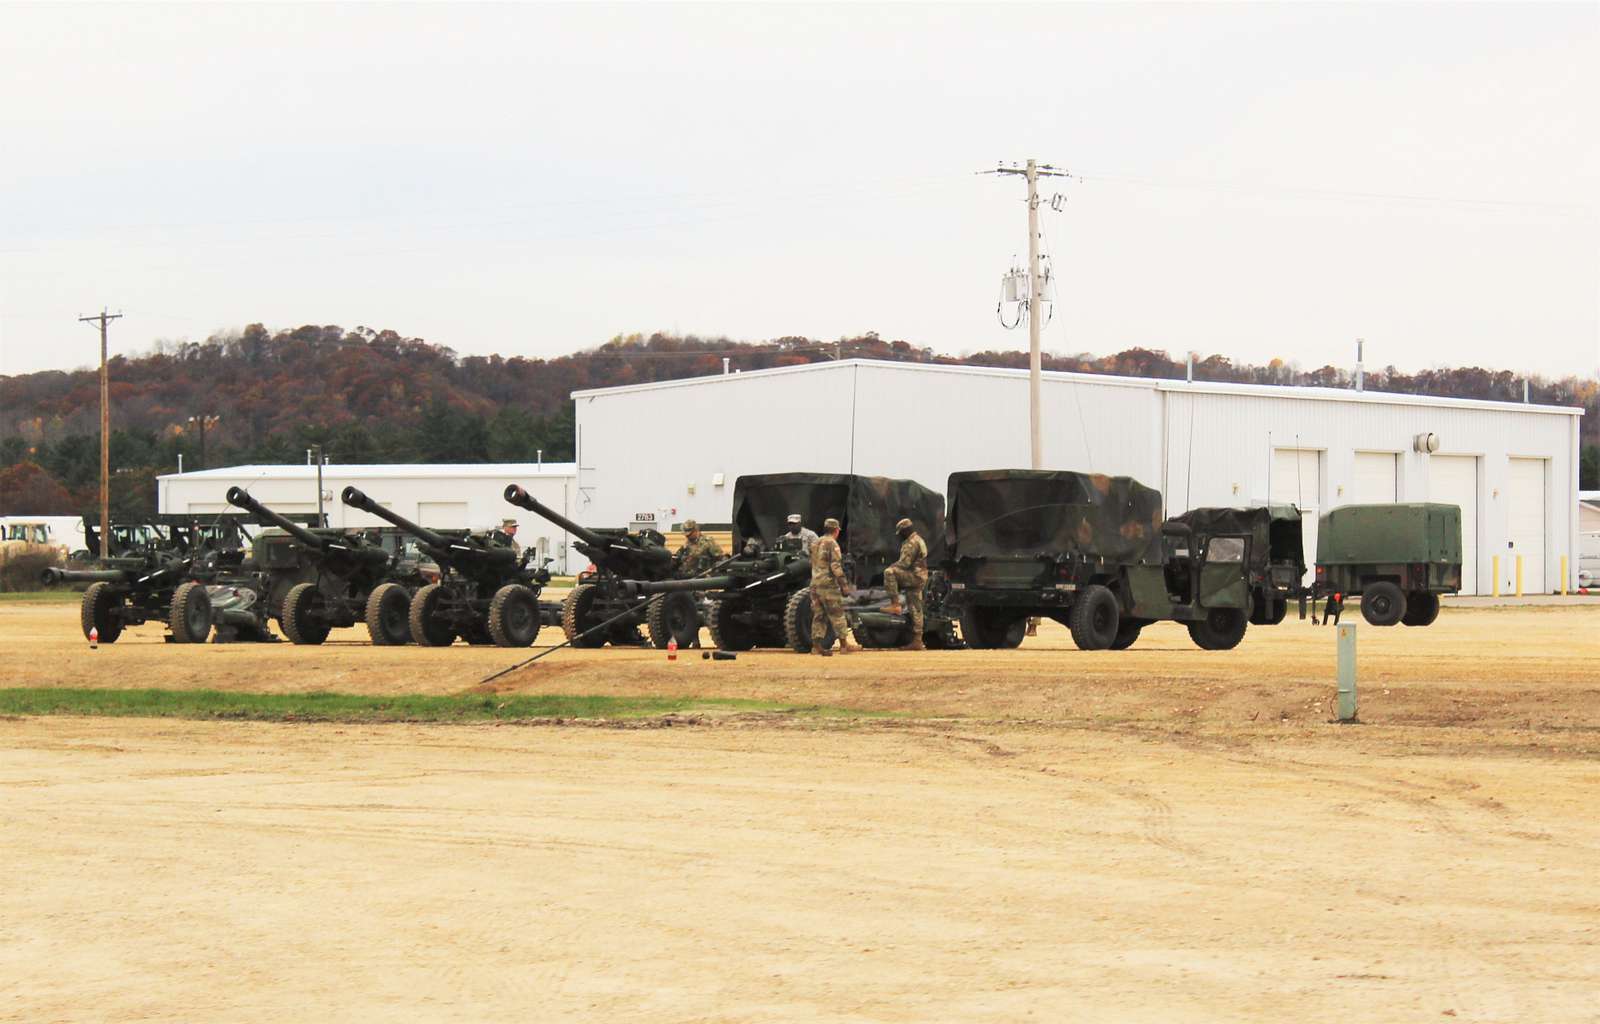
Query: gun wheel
point(389, 615)
point(427, 628)
point(672, 616)
point(101, 610)
point(304, 620)
point(190, 617)
point(578, 616)
point(797, 623)
point(727, 632)
point(514, 616)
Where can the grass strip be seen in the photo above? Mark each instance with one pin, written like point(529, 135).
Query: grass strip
point(349, 707)
point(41, 596)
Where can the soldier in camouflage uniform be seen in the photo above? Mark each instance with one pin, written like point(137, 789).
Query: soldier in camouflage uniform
point(698, 553)
point(828, 587)
point(798, 532)
point(910, 573)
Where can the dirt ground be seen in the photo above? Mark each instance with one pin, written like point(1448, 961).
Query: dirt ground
point(1161, 835)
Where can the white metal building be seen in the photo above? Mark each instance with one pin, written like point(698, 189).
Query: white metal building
point(1512, 468)
point(446, 496)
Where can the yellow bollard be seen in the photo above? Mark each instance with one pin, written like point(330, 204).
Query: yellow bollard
point(1519, 575)
point(1496, 567)
point(1563, 575)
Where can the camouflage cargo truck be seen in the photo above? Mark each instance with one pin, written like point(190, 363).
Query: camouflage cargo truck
point(761, 596)
point(1274, 553)
point(1092, 553)
point(1397, 558)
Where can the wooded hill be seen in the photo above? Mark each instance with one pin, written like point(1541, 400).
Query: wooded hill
point(376, 396)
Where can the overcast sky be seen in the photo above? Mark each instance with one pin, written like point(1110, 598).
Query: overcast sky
point(1256, 180)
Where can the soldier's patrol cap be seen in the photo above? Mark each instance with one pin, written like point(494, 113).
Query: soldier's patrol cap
point(794, 517)
point(904, 524)
point(689, 525)
point(507, 522)
point(830, 523)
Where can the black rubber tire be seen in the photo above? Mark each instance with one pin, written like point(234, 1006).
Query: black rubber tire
point(1383, 603)
point(577, 615)
point(1127, 633)
point(1278, 612)
point(728, 633)
point(673, 616)
point(797, 622)
point(426, 628)
point(190, 615)
point(99, 612)
point(1220, 630)
point(388, 615)
point(300, 623)
point(1094, 618)
point(514, 616)
point(1422, 608)
point(987, 629)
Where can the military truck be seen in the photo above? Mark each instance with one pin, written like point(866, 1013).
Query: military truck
point(1091, 552)
point(320, 578)
point(761, 596)
point(486, 591)
point(1274, 557)
point(1397, 558)
point(600, 609)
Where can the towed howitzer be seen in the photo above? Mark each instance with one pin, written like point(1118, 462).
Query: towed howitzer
point(322, 577)
point(486, 591)
point(133, 591)
point(599, 596)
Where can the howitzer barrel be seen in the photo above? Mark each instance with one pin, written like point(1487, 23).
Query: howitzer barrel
point(356, 499)
point(522, 499)
point(54, 575)
point(698, 583)
point(238, 496)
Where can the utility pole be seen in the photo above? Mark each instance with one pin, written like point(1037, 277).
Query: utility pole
point(201, 422)
point(104, 319)
point(322, 519)
point(1033, 171)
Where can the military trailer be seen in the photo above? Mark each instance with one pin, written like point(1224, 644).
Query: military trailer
point(1397, 558)
point(1274, 557)
point(1090, 552)
point(486, 592)
point(761, 596)
point(600, 609)
point(316, 579)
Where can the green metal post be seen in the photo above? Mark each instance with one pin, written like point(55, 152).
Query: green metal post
point(1347, 672)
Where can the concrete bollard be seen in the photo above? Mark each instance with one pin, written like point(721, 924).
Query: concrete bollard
point(1347, 671)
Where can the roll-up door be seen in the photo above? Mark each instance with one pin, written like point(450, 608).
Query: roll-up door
point(1453, 480)
point(1374, 479)
point(446, 515)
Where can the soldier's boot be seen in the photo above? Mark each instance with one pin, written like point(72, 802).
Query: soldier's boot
point(894, 607)
point(846, 647)
point(826, 652)
point(915, 644)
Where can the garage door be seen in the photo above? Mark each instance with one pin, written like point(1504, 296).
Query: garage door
point(1453, 480)
point(446, 515)
point(1375, 478)
point(1297, 480)
point(1525, 527)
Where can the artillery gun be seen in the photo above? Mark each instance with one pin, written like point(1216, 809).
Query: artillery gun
point(600, 595)
point(761, 597)
point(138, 589)
point(486, 591)
point(316, 579)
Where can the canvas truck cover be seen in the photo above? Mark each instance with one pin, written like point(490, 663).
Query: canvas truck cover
point(1029, 512)
point(1414, 532)
point(1274, 531)
point(867, 508)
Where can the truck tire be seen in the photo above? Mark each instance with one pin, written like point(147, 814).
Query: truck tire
point(1094, 618)
point(990, 629)
point(578, 616)
point(427, 629)
point(514, 616)
point(797, 622)
point(673, 616)
point(1422, 608)
point(1127, 632)
point(728, 633)
point(301, 622)
point(1220, 630)
point(388, 615)
point(99, 611)
point(190, 617)
point(1383, 603)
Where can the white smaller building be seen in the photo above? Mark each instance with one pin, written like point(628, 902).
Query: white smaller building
point(465, 496)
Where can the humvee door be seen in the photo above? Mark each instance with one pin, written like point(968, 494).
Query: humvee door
point(1223, 582)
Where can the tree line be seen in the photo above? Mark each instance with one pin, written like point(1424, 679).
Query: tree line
point(377, 396)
